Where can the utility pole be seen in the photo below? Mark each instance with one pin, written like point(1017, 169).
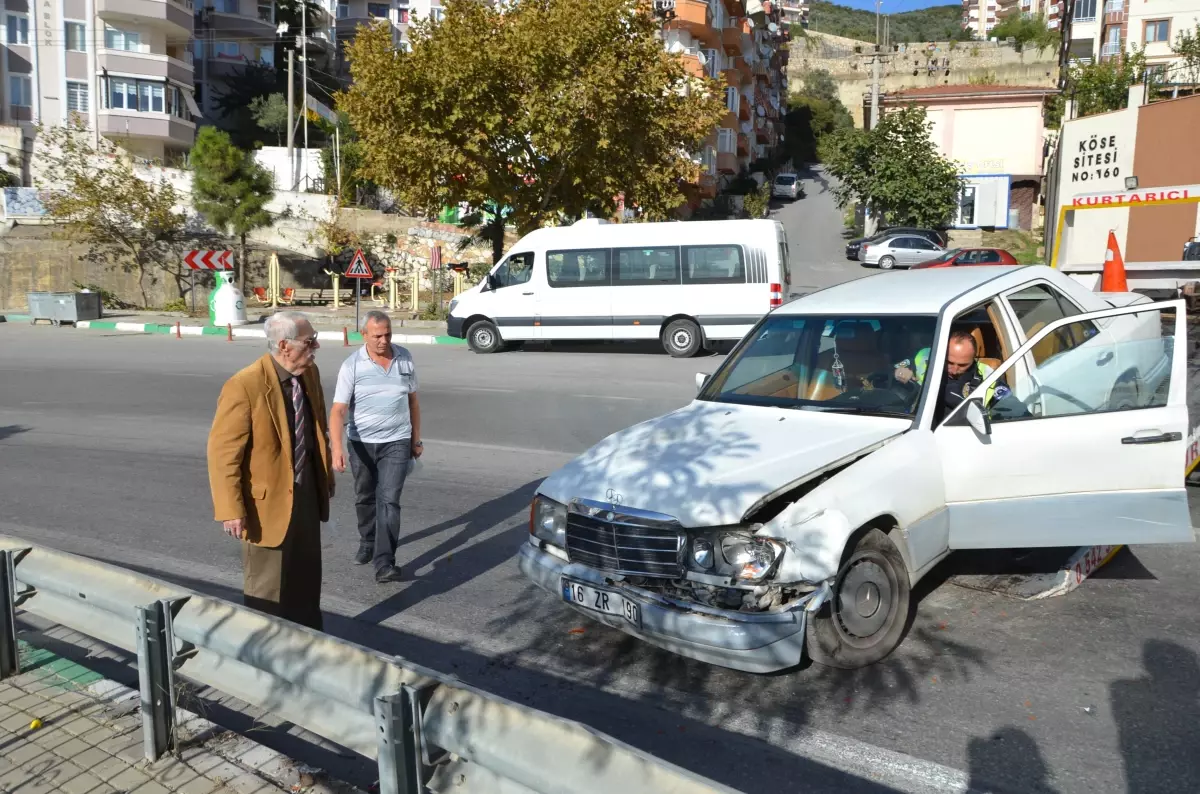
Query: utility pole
point(291, 146)
point(871, 222)
point(304, 80)
point(878, 3)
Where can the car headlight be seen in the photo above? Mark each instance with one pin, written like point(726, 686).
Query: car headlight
point(548, 521)
point(453, 303)
point(737, 554)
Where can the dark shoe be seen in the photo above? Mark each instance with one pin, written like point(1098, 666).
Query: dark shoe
point(389, 575)
point(364, 556)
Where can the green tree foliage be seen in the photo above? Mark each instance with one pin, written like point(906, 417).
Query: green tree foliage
point(1187, 49)
point(550, 107)
point(1104, 86)
point(812, 114)
point(896, 168)
point(230, 189)
point(1028, 31)
point(819, 84)
point(270, 113)
point(127, 220)
point(940, 23)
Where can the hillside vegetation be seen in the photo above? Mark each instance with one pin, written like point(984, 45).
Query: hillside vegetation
point(940, 23)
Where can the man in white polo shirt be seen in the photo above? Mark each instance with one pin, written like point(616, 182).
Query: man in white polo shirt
point(377, 387)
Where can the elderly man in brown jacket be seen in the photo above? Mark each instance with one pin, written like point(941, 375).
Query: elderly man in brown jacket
point(268, 467)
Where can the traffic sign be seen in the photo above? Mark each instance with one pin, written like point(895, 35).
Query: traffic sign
point(359, 267)
point(202, 259)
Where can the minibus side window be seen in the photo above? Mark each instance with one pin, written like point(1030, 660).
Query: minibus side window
point(714, 264)
point(583, 268)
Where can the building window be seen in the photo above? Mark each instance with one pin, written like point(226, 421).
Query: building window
point(343, 11)
point(726, 141)
point(266, 11)
point(76, 34)
point(731, 99)
point(117, 39)
point(20, 91)
point(137, 95)
point(77, 97)
point(266, 56)
point(966, 206)
point(378, 10)
point(1085, 10)
point(226, 49)
point(227, 6)
point(437, 14)
point(1158, 30)
point(18, 30)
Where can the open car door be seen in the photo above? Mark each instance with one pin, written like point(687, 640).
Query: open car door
point(1082, 441)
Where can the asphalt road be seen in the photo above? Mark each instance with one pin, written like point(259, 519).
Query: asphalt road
point(102, 453)
point(816, 236)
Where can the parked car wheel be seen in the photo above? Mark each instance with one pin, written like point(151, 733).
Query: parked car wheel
point(887, 262)
point(484, 337)
point(1124, 394)
point(865, 617)
point(682, 339)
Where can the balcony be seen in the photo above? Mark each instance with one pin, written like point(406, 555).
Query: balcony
point(743, 109)
point(731, 37)
point(172, 16)
point(146, 65)
point(743, 145)
point(169, 130)
point(727, 162)
point(1114, 7)
point(239, 18)
point(692, 65)
point(1111, 49)
point(695, 17)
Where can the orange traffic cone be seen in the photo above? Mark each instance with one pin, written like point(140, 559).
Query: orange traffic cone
point(1113, 279)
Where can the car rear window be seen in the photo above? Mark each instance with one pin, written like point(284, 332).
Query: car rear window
point(784, 180)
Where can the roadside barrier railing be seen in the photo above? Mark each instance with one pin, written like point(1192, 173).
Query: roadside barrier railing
point(427, 731)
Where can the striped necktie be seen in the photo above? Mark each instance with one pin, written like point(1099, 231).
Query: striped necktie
point(299, 452)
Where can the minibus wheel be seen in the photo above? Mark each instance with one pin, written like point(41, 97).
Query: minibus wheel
point(484, 337)
point(682, 339)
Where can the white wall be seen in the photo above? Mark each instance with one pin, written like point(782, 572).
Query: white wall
point(308, 165)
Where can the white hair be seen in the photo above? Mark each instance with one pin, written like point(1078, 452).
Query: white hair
point(376, 316)
point(283, 326)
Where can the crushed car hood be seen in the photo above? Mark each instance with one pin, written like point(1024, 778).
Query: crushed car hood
point(708, 463)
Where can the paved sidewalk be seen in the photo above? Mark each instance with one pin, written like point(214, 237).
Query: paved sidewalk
point(89, 741)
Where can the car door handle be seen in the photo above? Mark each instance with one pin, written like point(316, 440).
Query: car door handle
point(1104, 359)
point(526, 293)
point(1161, 438)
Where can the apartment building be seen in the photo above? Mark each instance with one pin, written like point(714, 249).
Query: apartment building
point(1052, 10)
point(123, 66)
point(348, 15)
point(794, 12)
point(980, 16)
point(229, 34)
point(744, 45)
point(1104, 29)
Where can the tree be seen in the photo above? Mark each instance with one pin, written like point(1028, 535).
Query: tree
point(819, 84)
point(549, 107)
point(1027, 31)
point(125, 217)
point(896, 168)
point(1187, 48)
point(230, 189)
point(1104, 86)
point(270, 113)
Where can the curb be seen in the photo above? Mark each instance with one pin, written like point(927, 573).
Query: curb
point(244, 332)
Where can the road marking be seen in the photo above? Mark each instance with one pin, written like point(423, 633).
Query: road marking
point(501, 448)
point(483, 388)
point(608, 397)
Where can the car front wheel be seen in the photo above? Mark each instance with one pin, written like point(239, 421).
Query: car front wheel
point(484, 337)
point(865, 617)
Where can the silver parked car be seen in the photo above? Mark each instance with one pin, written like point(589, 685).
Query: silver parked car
point(787, 186)
point(903, 250)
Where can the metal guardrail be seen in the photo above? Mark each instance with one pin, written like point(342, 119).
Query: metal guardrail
point(426, 730)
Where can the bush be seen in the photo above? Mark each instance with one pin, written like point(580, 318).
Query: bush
point(176, 305)
point(757, 202)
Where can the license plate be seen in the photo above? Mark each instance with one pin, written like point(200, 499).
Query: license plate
point(607, 602)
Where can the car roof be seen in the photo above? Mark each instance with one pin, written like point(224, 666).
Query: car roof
point(916, 291)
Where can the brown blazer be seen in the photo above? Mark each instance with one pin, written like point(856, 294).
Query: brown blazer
point(250, 452)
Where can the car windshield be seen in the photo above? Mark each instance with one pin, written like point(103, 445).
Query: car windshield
point(946, 257)
point(826, 363)
point(784, 180)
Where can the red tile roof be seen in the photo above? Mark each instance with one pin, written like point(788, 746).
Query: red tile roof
point(938, 91)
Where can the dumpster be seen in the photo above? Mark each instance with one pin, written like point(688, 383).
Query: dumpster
point(41, 307)
point(71, 307)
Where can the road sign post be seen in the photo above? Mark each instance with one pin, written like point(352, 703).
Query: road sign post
point(358, 269)
point(206, 259)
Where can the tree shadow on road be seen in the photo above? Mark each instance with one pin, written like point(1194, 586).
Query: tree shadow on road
point(8, 431)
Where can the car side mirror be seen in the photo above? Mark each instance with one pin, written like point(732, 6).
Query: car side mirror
point(701, 379)
point(493, 283)
point(977, 418)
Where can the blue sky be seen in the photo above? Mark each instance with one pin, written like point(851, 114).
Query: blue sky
point(894, 6)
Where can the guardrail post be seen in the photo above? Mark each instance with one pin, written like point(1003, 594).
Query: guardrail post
point(10, 658)
point(156, 679)
point(397, 717)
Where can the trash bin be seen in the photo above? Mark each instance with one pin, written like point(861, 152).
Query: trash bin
point(71, 307)
point(41, 307)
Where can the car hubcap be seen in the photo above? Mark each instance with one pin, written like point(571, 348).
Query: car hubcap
point(864, 599)
point(483, 338)
point(681, 339)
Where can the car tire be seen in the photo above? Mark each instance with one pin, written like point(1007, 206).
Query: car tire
point(866, 615)
point(682, 339)
point(887, 262)
point(1124, 394)
point(484, 337)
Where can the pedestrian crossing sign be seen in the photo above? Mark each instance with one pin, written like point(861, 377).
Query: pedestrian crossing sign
point(359, 267)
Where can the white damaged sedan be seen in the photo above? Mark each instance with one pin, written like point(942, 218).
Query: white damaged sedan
point(790, 509)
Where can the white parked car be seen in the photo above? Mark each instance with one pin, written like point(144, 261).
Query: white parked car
point(791, 508)
point(787, 186)
point(684, 284)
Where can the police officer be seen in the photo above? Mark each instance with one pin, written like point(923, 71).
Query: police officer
point(964, 373)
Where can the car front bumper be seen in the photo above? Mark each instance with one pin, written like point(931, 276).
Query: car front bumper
point(454, 327)
point(754, 642)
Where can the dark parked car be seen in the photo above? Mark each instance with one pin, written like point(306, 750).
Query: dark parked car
point(853, 246)
point(970, 256)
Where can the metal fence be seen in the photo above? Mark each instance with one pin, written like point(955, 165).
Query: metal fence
point(427, 731)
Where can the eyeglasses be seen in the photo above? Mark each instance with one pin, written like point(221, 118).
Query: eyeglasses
point(307, 342)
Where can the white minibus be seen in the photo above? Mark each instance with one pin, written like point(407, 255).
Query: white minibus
point(684, 283)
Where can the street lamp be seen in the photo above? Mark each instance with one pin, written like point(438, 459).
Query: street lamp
point(1131, 183)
